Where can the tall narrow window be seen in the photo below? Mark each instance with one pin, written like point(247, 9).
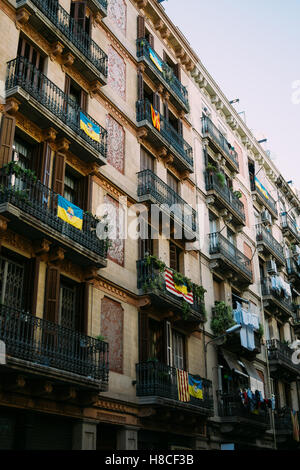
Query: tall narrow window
point(11, 283)
point(147, 161)
point(175, 253)
point(178, 343)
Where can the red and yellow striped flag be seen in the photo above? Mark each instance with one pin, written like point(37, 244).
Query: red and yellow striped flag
point(183, 385)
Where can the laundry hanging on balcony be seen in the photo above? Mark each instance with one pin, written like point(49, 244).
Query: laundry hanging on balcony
point(155, 59)
point(91, 129)
point(280, 286)
point(249, 322)
point(195, 388)
point(155, 118)
point(178, 290)
point(70, 213)
point(183, 385)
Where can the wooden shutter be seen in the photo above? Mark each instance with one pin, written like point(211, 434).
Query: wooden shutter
point(177, 71)
point(52, 294)
point(143, 336)
point(140, 27)
point(151, 40)
point(67, 84)
point(83, 100)
point(59, 173)
point(173, 257)
point(180, 127)
point(85, 188)
point(140, 86)
point(31, 285)
point(78, 12)
point(41, 162)
point(166, 111)
point(81, 322)
point(8, 125)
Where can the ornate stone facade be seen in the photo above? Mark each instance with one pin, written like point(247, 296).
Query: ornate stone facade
point(116, 222)
point(115, 144)
point(116, 72)
point(117, 12)
point(112, 320)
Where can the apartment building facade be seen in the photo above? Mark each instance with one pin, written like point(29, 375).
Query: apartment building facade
point(107, 109)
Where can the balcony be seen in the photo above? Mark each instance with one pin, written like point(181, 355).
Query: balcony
point(162, 73)
point(296, 319)
point(233, 344)
point(219, 144)
point(151, 282)
point(228, 261)
point(156, 384)
point(98, 6)
point(282, 366)
point(293, 270)
point(32, 207)
point(53, 22)
point(275, 300)
point(269, 245)
point(35, 346)
point(48, 106)
point(224, 199)
point(284, 428)
point(289, 227)
point(236, 418)
point(263, 196)
point(151, 188)
point(167, 137)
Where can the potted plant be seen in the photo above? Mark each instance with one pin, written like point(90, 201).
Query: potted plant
point(222, 318)
point(210, 168)
point(237, 194)
point(221, 178)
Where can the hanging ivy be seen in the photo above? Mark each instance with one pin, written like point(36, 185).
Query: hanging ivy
point(222, 319)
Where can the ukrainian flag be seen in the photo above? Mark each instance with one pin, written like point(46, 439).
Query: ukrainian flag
point(195, 387)
point(261, 188)
point(71, 214)
point(157, 62)
point(91, 129)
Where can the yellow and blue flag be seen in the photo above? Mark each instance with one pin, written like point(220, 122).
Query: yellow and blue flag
point(261, 188)
point(157, 62)
point(195, 387)
point(69, 212)
point(91, 129)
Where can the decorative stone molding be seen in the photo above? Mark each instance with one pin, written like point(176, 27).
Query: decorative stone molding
point(142, 3)
point(232, 122)
point(56, 50)
point(63, 145)
point(41, 247)
point(12, 106)
point(179, 52)
point(49, 134)
point(56, 255)
point(95, 88)
point(142, 134)
point(67, 60)
point(158, 25)
point(3, 224)
point(165, 33)
point(184, 175)
point(141, 68)
point(246, 141)
point(22, 17)
point(16, 241)
point(91, 273)
point(210, 200)
point(29, 127)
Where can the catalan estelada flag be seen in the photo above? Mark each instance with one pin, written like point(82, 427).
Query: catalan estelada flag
point(179, 291)
point(183, 385)
point(155, 118)
point(69, 213)
point(261, 188)
point(91, 129)
point(157, 62)
point(195, 387)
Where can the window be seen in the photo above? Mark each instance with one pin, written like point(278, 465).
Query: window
point(70, 187)
point(178, 343)
point(78, 98)
point(175, 67)
point(147, 161)
point(146, 246)
point(175, 253)
point(67, 304)
point(79, 14)
point(156, 340)
point(11, 283)
point(212, 223)
point(23, 152)
point(173, 182)
point(31, 53)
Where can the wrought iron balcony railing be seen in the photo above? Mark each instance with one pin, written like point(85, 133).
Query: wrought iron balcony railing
point(150, 279)
point(283, 420)
point(167, 131)
point(73, 31)
point(164, 71)
point(21, 73)
point(230, 405)
point(150, 184)
point(210, 130)
point(267, 199)
point(37, 200)
point(263, 235)
point(296, 314)
point(269, 289)
point(212, 183)
point(155, 379)
point(278, 351)
point(46, 343)
point(218, 244)
point(287, 222)
point(293, 266)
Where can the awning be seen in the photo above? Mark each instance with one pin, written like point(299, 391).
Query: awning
point(256, 382)
point(250, 369)
point(232, 362)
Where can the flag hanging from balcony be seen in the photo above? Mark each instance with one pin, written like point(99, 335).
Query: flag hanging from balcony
point(157, 62)
point(261, 188)
point(155, 118)
point(91, 129)
point(195, 387)
point(70, 213)
point(183, 385)
point(178, 290)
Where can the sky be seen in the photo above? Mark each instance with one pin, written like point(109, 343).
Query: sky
point(252, 50)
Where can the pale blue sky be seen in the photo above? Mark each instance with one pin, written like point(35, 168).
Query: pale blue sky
point(252, 50)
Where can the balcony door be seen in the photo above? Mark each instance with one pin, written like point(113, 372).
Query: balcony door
point(11, 283)
point(178, 348)
point(32, 65)
point(67, 305)
point(77, 99)
point(81, 23)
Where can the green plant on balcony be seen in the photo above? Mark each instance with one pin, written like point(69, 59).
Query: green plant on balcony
point(222, 319)
point(158, 263)
point(260, 332)
point(101, 338)
point(237, 194)
point(221, 178)
point(13, 168)
point(210, 168)
point(186, 310)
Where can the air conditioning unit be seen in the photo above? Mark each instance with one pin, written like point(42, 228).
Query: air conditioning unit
point(271, 267)
point(266, 217)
